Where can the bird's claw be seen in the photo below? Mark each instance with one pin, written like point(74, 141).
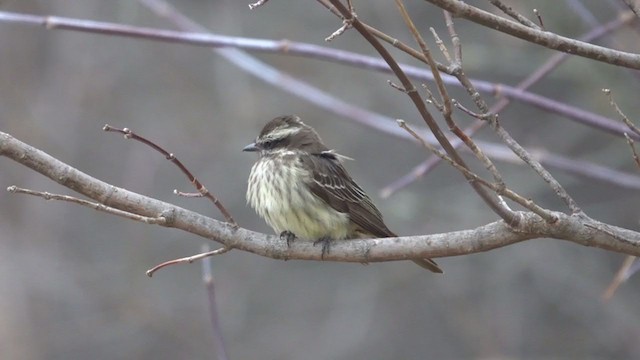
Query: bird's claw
point(288, 236)
point(326, 244)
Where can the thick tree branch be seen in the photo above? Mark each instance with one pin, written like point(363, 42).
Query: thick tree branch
point(543, 38)
point(575, 228)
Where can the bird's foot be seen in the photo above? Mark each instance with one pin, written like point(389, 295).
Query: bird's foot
point(326, 244)
point(288, 236)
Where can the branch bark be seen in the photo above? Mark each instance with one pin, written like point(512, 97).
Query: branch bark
point(540, 37)
point(578, 229)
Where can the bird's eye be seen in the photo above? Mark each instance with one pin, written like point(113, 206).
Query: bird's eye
point(267, 144)
point(270, 144)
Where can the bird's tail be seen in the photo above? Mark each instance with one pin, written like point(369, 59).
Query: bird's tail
point(429, 265)
point(423, 263)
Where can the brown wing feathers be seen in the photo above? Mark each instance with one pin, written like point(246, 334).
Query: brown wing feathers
point(333, 184)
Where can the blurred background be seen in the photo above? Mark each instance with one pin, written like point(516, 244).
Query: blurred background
point(72, 280)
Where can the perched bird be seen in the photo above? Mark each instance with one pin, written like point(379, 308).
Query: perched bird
point(301, 189)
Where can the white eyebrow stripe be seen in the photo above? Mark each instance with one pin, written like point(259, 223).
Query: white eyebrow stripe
point(283, 132)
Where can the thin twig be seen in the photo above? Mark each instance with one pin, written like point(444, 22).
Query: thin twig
point(441, 46)
point(623, 117)
point(383, 36)
point(634, 153)
point(553, 62)
point(514, 145)
point(128, 134)
point(214, 315)
point(490, 199)
point(500, 189)
point(455, 39)
point(188, 259)
point(257, 3)
point(228, 46)
point(514, 14)
point(432, 99)
point(539, 17)
point(446, 99)
point(620, 277)
point(543, 38)
point(160, 220)
point(632, 6)
point(346, 24)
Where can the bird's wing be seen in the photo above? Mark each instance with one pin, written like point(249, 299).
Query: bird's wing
point(332, 183)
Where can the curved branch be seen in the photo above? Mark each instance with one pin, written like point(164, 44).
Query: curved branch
point(578, 229)
point(543, 38)
point(229, 46)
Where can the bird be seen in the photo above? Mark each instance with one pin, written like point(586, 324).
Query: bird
point(301, 188)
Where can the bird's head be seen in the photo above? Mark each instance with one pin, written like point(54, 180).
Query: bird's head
point(286, 132)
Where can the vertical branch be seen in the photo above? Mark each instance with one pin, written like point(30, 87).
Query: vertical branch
point(446, 99)
point(207, 277)
point(490, 199)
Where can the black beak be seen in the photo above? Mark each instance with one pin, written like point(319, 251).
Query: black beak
point(251, 147)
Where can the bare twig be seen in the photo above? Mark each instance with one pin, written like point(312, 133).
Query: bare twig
point(489, 198)
point(160, 220)
point(621, 276)
point(228, 46)
point(634, 153)
point(128, 134)
point(432, 99)
point(441, 46)
point(214, 315)
point(623, 117)
point(514, 14)
point(539, 17)
point(446, 99)
point(257, 3)
point(543, 38)
point(455, 39)
point(514, 145)
point(188, 259)
point(346, 24)
point(312, 94)
point(632, 6)
point(538, 168)
point(548, 159)
point(396, 86)
point(579, 168)
point(500, 189)
point(510, 142)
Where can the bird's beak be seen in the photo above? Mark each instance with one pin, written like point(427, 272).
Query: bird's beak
point(251, 147)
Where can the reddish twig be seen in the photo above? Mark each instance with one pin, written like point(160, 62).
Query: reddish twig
point(188, 259)
point(128, 134)
point(621, 276)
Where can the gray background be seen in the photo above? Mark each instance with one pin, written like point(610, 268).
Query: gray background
point(72, 280)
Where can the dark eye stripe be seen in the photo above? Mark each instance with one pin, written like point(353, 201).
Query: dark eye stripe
point(270, 144)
